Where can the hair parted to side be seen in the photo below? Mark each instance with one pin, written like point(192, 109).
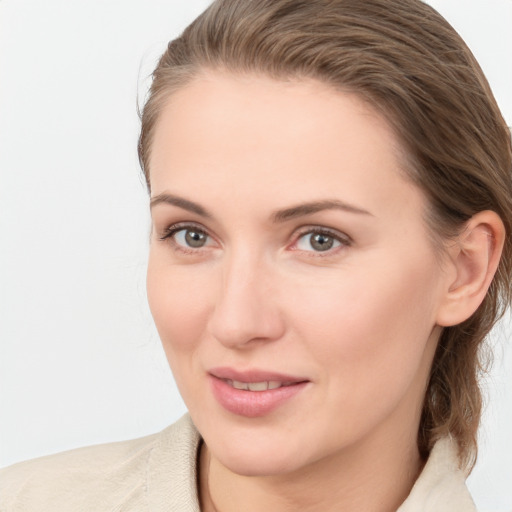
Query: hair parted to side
point(404, 59)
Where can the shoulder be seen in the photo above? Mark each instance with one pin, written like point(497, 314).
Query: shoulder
point(83, 475)
point(126, 475)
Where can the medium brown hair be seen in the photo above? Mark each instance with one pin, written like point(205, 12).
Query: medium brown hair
point(403, 58)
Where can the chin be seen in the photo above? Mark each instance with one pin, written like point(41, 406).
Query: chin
point(259, 463)
point(266, 451)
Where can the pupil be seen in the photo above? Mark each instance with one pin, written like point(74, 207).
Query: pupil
point(321, 242)
point(195, 238)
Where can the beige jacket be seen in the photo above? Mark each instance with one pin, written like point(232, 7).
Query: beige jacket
point(158, 473)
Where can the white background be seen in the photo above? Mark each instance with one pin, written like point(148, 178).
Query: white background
point(80, 361)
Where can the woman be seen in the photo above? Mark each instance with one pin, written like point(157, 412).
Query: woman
point(330, 189)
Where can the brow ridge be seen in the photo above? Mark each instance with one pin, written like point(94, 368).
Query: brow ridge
point(180, 202)
point(276, 217)
point(314, 207)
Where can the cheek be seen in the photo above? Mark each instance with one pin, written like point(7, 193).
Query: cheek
point(178, 299)
point(369, 330)
point(352, 304)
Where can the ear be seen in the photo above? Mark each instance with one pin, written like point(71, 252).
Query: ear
point(473, 259)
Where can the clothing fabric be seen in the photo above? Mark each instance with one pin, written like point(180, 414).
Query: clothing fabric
point(158, 473)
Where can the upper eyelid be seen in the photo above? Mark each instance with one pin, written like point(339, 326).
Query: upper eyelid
point(325, 230)
point(178, 226)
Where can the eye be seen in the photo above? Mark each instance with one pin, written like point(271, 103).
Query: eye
point(191, 238)
point(187, 237)
point(320, 241)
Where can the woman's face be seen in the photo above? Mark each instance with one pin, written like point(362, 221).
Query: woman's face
point(289, 258)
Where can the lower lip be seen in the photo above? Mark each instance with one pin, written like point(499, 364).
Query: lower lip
point(252, 404)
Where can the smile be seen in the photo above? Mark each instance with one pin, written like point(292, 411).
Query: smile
point(256, 386)
point(254, 393)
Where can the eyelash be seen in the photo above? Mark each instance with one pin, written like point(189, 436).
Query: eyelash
point(175, 228)
point(343, 239)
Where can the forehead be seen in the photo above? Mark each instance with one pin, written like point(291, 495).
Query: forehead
point(229, 110)
point(294, 138)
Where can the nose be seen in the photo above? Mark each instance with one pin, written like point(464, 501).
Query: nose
point(246, 311)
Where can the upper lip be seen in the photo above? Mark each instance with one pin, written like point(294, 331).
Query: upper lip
point(254, 375)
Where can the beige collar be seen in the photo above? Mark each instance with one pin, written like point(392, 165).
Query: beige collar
point(441, 486)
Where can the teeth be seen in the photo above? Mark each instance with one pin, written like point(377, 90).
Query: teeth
point(255, 386)
point(240, 385)
point(258, 386)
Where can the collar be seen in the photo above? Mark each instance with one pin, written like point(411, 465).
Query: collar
point(441, 486)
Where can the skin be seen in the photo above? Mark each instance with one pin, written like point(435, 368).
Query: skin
point(359, 321)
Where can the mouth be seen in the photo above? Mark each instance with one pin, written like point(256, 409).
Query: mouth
point(257, 386)
point(253, 393)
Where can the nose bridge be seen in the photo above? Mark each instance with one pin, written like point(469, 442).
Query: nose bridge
point(244, 310)
point(241, 271)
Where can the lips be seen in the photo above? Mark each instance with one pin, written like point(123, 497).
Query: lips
point(253, 393)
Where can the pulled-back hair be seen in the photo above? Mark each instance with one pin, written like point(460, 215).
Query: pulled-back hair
point(405, 60)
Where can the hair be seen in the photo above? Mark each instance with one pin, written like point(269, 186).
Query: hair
point(405, 60)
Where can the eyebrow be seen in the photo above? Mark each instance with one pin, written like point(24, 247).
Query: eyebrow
point(277, 217)
point(314, 207)
point(180, 202)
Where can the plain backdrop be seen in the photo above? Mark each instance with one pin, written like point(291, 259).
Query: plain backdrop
point(80, 360)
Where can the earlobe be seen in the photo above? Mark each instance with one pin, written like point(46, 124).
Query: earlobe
point(474, 257)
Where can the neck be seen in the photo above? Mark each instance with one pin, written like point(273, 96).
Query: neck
point(375, 477)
